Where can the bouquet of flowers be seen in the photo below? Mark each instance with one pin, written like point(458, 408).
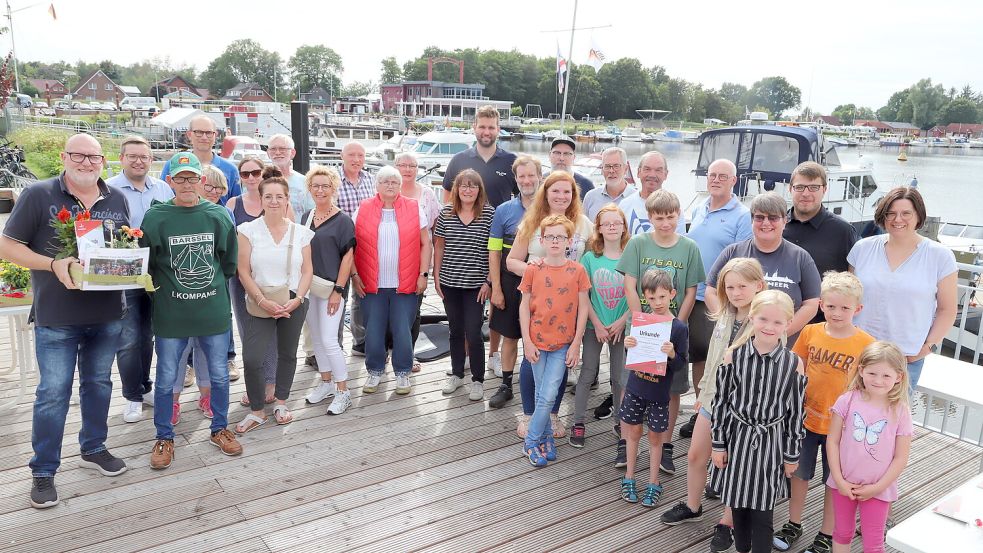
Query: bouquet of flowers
point(15, 285)
point(64, 225)
point(127, 237)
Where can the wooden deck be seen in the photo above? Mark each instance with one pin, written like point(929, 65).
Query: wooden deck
point(422, 472)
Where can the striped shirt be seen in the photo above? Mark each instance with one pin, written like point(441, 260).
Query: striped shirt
point(465, 260)
point(352, 194)
point(757, 420)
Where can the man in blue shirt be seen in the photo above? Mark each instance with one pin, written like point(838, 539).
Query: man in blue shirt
point(614, 164)
point(202, 134)
point(561, 159)
point(137, 340)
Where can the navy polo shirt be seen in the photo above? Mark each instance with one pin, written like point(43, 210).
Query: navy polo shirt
point(30, 224)
point(827, 237)
point(496, 173)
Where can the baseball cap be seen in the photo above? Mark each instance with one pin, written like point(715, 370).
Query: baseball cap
point(564, 139)
point(185, 161)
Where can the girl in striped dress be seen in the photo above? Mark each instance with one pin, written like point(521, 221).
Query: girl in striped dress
point(756, 427)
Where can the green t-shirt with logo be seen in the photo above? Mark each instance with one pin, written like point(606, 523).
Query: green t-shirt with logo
point(682, 261)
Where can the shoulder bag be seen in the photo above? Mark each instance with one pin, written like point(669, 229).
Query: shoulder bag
point(277, 294)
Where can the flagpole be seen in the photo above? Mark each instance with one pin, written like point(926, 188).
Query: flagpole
point(566, 87)
point(13, 48)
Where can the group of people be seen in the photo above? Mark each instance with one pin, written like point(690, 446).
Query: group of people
point(781, 355)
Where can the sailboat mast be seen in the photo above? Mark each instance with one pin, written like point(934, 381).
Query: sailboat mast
point(566, 87)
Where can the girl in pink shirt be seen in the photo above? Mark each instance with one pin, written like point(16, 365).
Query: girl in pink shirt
point(868, 444)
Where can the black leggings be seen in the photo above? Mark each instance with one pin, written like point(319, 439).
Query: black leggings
point(753, 530)
point(465, 315)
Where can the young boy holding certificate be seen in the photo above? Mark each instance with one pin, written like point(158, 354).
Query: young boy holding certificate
point(647, 393)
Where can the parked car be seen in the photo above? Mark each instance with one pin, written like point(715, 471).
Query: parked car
point(63, 104)
point(50, 112)
point(108, 106)
point(40, 104)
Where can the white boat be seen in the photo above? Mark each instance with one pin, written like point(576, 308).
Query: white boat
point(388, 149)
point(890, 140)
point(633, 134)
point(331, 137)
point(671, 135)
point(976, 143)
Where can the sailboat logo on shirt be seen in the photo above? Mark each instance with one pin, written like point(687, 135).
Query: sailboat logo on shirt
point(775, 280)
point(192, 259)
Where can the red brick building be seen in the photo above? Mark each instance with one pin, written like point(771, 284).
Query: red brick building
point(175, 83)
point(957, 130)
point(49, 88)
point(247, 92)
point(97, 86)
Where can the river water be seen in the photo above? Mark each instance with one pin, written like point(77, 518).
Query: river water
point(951, 180)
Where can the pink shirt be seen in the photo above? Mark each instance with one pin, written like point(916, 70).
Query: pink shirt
point(867, 441)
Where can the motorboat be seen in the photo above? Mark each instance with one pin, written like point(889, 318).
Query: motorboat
point(766, 155)
point(673, 135)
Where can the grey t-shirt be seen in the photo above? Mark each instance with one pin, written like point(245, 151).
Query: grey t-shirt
point(30, 224)
point(789, 269)
point(331, 242)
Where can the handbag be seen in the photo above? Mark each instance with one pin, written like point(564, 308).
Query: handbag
point(320, 287)
point(277, 294)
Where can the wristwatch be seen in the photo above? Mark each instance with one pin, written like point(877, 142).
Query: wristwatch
point(339, 289)
point(425, 274)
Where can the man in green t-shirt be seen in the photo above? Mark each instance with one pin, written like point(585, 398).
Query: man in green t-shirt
point(193, 253)
point(664, 248)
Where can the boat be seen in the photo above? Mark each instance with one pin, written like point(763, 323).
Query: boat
point(388, 149)
point(532, 135)
point(891, 140)
point(550, 135)
point(588, 136)
point(330, 137)
point(976, 143)
point(765, 156)
point(632, 134)
point(673, 135)
point(504, 135)
point(610, 134)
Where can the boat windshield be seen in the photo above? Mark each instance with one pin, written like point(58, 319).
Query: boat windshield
point(951, 230)
point(439, 147)
point(974, 232)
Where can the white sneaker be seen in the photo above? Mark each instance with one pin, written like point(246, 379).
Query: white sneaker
point(371, 384)
point(573, 376)
point(495, 364)
point(189, 376)
point(477, 391)
point(453, 383)
point(234, 373)
point(403, 384)
point(341, 402)
point(148, 398)
point(133, 412)
point(323, 390)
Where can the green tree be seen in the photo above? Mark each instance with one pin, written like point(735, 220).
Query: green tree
point(960, 110)
point(243, 61)
point(624, 88)
point(391, 72)
point(359, 88)
point(112, 70)
point(864, 112)
point(846, 113)
point(735, 93)
point(775, 94)
point(315, 65)
point(897, 104)
point(927, 101)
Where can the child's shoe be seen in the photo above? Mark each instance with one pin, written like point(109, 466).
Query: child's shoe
point(628, 491)
point(786, 536)
point(536, 458)
point(652, 494)
point(548, 448)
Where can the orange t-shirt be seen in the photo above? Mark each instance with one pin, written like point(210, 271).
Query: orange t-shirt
point(828, 363)
point(553, 302)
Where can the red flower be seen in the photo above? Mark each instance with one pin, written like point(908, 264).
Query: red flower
point(136, 233)
point(64, 215)
point(84, 216)
point(14, 295)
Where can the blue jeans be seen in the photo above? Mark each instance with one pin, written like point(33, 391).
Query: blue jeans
point(59, 350)
point(136, 347)
point(170, 367)
point(388, 310)
point(548, 373)
point(914, 373)
point(527, 389)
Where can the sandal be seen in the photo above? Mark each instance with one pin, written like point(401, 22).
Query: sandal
point(244, 400)
point(416, 368)
point(282, 415)
point(250, 422)
point(559, 430)
point(652, 494)
point(536, 458)
point(522, 428)
point(548, 447)
point(628, 491)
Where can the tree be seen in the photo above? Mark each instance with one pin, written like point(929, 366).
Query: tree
point(775, 94)
point(894, 106)
point(846, 113)
point(927, 101)
point(243, 61)
point(112, 70)
point(624, 88)
point(315, 65)
point(734, 92)
point(960, 110)
point(864, 112)
point(359, 88)
point(391, 72)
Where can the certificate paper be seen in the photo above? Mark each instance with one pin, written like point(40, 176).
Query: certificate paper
point(114, 268)
point(650, 331)
point(88, 236)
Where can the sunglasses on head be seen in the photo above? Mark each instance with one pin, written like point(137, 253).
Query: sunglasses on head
point(253, 173)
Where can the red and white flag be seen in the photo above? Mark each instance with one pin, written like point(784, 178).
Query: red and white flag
point(596, 57)
point(561, 69)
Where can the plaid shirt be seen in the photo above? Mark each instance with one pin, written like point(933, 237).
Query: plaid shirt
point(350, 196)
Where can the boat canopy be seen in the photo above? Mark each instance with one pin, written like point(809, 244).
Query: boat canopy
point(769, 153)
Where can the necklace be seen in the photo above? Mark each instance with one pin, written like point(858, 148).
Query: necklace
point(321, 218)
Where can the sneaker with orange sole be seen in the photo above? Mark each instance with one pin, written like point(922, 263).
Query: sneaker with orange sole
point(226, 441)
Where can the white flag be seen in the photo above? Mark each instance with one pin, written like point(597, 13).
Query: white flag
point(561, 69)
point(596, 58)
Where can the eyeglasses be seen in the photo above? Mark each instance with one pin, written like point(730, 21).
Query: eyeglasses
point(322, 187)
point(718, 176)
point(213, 188)
point(390, 184)
point(406, 166)
point(185, 180)
point(200, 134)
point(94, 159)
point(758, 218)
point(561, 154)
point(611, 166)
point(555, 238)
point(255, 173)
point(272, 149)
point(615, 224)
point(809, 187)
point(136, 157)
point(899, 214)
point(468, 186)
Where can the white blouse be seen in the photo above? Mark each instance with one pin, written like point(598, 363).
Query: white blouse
point(268, 260)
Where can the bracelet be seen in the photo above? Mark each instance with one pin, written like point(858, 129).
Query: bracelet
point(52, 266)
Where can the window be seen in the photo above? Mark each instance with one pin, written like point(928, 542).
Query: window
point(92, 86)
point(109, 87)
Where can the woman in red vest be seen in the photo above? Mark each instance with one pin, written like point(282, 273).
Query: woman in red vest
point(392, 256)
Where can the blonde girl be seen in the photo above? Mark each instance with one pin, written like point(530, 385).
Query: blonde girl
point(607, 315)
point(756, 426)
point(868, 445)
point(740, 280)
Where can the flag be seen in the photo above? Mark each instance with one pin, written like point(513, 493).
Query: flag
point(596, 57)
point(51, 10)
point(561, 69)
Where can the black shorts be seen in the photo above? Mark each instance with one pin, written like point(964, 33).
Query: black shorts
point(506, 321)
point(812, 445)
point(634, 408)
point(700, 331)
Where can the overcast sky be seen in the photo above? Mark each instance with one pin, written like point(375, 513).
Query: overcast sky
point(858, 51)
